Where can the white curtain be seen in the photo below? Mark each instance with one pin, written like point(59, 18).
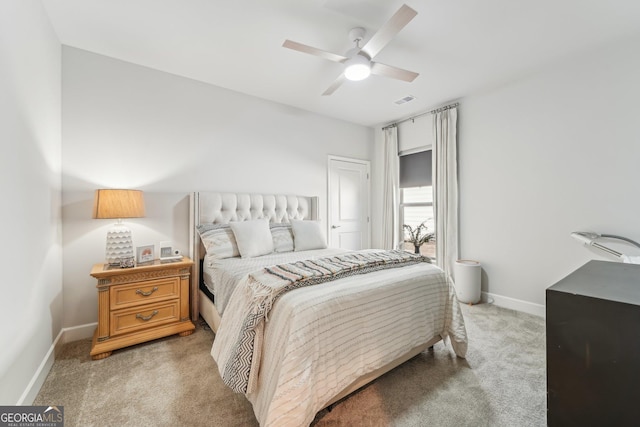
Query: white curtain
point(445, 188)
point(391, 190)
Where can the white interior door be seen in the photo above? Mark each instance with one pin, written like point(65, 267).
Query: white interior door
point(348, 203)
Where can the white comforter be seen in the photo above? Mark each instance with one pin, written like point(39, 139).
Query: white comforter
point(320, 339)
point(221, 276)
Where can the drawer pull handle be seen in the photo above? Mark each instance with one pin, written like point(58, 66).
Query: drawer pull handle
point(145, 318)
point(146, 294)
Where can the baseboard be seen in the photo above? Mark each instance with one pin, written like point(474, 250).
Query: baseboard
point(66, 335)
point(30, 393)
point(77, 333)
point(514, 304)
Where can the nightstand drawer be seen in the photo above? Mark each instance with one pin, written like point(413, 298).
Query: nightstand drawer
point(123, 296)
point(139, 318)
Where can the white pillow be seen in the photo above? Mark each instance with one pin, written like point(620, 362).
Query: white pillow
point(307, 235)
point(253, 237)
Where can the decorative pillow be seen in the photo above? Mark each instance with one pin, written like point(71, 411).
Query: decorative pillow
point(253, 237)
point(282, 237)
point(307, 235)
point(218, 240)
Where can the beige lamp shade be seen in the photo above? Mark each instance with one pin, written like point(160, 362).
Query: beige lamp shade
point(118, 204)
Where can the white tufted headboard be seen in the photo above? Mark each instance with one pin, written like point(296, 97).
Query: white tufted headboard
point(222, 208)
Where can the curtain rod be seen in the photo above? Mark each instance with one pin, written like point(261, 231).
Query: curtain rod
point(437, 110)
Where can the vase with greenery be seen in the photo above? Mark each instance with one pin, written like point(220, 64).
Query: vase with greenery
point(418, 235)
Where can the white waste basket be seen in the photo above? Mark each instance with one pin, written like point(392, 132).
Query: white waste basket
point(467, 279)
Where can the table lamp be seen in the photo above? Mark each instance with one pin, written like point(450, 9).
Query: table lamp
point(118, 204)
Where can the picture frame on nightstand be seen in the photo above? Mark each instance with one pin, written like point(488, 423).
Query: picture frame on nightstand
point(145, 254)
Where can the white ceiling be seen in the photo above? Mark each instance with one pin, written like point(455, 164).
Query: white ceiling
point(459, 47)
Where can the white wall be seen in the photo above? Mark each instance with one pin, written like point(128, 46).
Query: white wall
point(542, 157)
point(129, 126)
point(31, 290)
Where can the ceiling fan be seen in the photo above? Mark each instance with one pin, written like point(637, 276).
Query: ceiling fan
point(358, 60)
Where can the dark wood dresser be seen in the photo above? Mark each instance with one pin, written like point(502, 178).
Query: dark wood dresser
point(593, 346)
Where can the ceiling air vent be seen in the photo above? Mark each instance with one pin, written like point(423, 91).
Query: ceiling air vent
point(407, 98)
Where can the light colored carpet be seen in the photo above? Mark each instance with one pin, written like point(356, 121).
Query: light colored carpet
point(174, 381)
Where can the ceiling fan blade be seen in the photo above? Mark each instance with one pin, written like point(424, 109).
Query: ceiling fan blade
point(335, 85)
point(402, 17)
point(393, 72)
point(313, 51)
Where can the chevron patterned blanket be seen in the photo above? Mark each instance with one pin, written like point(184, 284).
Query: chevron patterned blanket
point(267, 285)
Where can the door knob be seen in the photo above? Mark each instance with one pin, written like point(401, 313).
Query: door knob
point(335, 226)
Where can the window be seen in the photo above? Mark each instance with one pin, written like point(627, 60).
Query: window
point(416, 198)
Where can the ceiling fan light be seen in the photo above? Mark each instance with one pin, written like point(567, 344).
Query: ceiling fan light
point(357, 68)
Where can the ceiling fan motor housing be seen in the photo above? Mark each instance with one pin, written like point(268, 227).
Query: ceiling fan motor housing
point(356, 51)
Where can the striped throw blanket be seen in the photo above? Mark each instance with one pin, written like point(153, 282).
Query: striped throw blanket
point(267, 285)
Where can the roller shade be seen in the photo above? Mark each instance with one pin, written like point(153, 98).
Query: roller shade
point(415, 169)
point(415, 135)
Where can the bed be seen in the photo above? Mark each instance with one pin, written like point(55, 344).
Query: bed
point(316, 344)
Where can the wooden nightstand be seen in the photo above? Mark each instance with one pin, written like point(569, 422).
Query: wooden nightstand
point(140, 304)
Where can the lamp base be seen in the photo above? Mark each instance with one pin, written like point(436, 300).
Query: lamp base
point(119, 244)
